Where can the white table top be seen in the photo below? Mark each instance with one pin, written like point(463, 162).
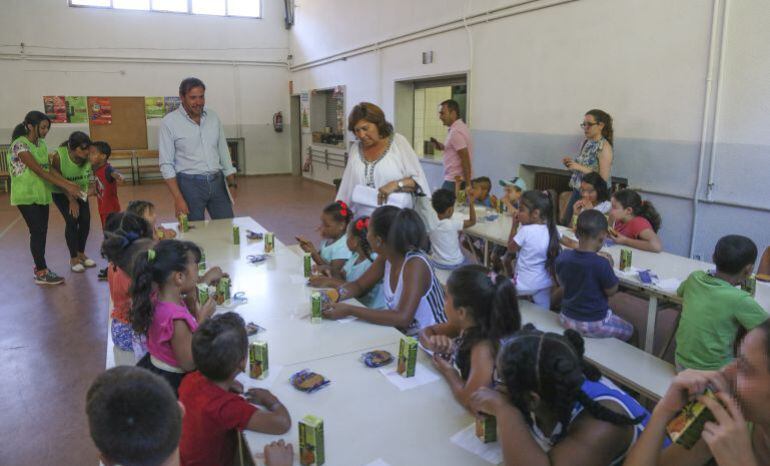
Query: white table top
point(665, 265)
point(367, 418)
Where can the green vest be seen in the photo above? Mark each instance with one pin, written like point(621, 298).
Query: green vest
point(78, 174)
point(26, 187)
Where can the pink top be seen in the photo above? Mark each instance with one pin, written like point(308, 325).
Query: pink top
point(633, 227)
point(459, 137)
point(162, 329)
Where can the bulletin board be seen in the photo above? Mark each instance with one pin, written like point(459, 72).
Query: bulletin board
point(128, 129)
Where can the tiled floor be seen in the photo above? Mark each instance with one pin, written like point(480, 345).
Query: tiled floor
point(53, 340)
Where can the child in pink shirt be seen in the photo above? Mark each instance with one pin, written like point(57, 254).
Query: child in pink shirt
point(636, 221)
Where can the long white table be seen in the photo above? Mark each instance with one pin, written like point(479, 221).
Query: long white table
point(365, 416)
point(669, 268)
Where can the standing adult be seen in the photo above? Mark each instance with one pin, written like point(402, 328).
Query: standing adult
point(31, 183)
point(71, 161)
point(382, 160)
point(458, 148)
point(194, 158)
point(595, 155)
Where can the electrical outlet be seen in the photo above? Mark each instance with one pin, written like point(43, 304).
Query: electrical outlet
point(696, 257)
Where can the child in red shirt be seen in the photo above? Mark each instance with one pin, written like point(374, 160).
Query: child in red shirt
point(106, 185)
point(215, 412)
point(636, 221)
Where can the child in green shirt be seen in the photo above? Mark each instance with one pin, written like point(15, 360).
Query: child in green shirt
point(714, 309)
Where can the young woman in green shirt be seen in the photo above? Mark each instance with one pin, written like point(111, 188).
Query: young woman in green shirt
point(31, 182)
point(71, 161)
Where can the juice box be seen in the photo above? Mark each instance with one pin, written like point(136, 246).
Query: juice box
point(258, 361)
point(202, 263)
point(236, 234)
point(750, 285)
point(269, 242)
point(407, 356)
point(316, 306)
point(486, 428)
point(203, 293)
point(625, 259)
point(223, 290)
point(461, 197)
point(311, 441)
point(308, 265)
point(685, 429)
point(184, 225)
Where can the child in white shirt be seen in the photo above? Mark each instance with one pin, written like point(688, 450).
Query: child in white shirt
point(446, 252)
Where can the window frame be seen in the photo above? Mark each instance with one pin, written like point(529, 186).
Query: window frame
point(189, 11)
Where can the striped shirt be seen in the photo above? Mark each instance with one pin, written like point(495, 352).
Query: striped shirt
point(430, 310)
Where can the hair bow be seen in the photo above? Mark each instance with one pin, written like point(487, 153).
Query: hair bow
point(362, 223)
point(343, 208)
point(150, 255)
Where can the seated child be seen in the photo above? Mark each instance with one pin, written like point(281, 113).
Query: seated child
point(215, 412)
point(714, 310)
point(588, 280)
point(446, 251)
point(334, 250)
point(513, 189)
point(146, 210)
point(595, 195)
point(763, 269)
point(125, 236)
point(536, 245)
point(636, 222)
point(359, 262)
point(482, 310)
point(134, 418)
point(481, 187)
point(170, 268)
point(552, 407)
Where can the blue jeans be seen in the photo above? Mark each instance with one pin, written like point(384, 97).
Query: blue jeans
point(205, 192)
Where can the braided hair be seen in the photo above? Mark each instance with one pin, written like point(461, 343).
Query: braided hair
point(359, 229)
point(492, 303)
point(153, 269)
point(552, 366)
point(339, 211)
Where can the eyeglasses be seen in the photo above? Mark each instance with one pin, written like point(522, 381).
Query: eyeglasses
point(585, 125)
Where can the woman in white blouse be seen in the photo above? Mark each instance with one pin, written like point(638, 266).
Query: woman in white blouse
point(383, 161)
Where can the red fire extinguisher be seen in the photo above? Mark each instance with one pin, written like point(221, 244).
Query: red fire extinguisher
point(278, 122)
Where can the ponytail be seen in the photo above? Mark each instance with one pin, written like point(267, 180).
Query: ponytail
point(120, 232)
point(629, 198)
point(33, 118)
point(542, 202)
point(360, 229)
point(601, 116)
point(154, 268)
point(491, 300)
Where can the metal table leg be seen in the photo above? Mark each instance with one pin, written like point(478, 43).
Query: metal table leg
point(652, 314)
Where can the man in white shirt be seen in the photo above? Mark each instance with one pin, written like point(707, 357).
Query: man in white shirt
point(194, 158)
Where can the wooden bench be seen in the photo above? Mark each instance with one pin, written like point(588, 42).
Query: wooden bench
point(624, 363)
point(120, 156)
point(5, 175)
point(146, 161)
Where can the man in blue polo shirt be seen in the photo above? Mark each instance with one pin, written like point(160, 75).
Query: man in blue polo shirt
point(194, 159)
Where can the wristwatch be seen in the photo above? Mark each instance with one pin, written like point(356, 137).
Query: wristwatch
point(400, 185)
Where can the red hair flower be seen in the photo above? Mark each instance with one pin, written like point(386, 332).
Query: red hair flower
point(362, 223)
point(343, 208)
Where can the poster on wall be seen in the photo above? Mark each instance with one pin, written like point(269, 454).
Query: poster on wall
point(100, 110)
point(171, 103)
point(56, 108)
point(77, 109)
point(154, 107)
point(304, 103)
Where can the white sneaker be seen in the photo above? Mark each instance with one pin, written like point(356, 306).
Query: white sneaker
point(78, 268)
point(88, 263)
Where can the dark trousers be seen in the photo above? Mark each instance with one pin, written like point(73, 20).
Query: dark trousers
point(77, 228)
point(36, 217)
point(173, 379)
point(205, 192)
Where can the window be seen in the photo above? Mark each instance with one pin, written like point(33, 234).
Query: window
point(327, 116)
point(417, 107)
point(243, 8)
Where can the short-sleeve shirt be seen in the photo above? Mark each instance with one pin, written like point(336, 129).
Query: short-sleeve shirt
point(106, 190)
point(589, 156)
point(120, 283)
point(633, 227)
point(211, 422)
point(584, 276)
point(374, 299)
point(335, 250)
point(531, 273)
point(712, 313)
point(458, 138)
point(162, 330)
point(445, 242)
